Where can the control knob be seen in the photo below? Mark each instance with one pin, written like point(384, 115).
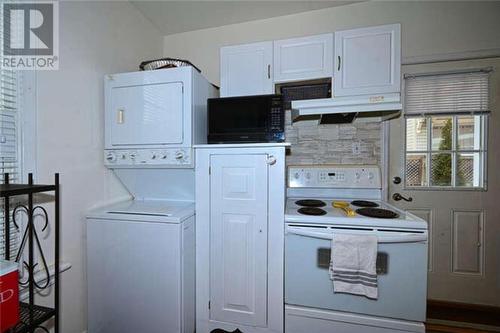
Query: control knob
point(179, 155)
point(111, 157)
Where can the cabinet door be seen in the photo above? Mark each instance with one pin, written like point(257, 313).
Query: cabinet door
point(303, 58)
point(147, 114)
point(238, 239)
point(367, 61)
point(246, 69)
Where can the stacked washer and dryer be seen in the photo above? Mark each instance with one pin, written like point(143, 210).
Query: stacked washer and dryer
point(141, 252)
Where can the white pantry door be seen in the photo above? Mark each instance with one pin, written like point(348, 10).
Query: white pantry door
point(464, 226)
point(238, 238)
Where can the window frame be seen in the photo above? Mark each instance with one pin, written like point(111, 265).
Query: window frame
point(483, 151)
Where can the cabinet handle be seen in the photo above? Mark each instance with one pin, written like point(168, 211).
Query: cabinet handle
point(268, 71)
point(339, 60)
point(120, 116)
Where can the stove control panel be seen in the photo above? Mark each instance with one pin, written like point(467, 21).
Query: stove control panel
point(156, 158)
point(335, 176)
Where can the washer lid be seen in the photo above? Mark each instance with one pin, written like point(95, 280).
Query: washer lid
point(147, 211)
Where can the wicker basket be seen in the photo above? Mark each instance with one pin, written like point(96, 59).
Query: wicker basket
point(165, 63)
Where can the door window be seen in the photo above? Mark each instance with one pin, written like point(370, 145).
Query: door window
point(445, 151)
point(445, 129)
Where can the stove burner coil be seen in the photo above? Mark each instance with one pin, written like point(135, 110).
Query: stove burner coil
point(310, 203)
point(364, 203)
point(311, 211)
point(377, 212)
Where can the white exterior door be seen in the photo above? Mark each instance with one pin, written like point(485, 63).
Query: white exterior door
point(238, 239)
point(246, 69)
point(463, 223)
point(304, 58)
point(367, 61)
point(147, 114)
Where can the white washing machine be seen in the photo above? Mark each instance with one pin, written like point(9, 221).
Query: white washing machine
point(141, 267)
point(141, 252)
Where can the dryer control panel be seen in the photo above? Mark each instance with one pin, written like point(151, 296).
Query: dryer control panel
point(155, 158)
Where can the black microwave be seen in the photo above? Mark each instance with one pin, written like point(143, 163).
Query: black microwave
point(242, 119)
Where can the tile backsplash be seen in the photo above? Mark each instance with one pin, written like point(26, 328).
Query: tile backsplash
point(355, 143)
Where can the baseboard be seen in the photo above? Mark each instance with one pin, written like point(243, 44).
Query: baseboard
point(463, 312)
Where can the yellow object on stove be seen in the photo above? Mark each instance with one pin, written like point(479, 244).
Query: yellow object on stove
point(344, 205)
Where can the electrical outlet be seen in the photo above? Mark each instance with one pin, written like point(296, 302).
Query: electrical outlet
point(356, 148)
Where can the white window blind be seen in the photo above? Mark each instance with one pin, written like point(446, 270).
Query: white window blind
point(450, 93)
point(9, 143)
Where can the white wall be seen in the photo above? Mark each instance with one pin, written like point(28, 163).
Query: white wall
point(95, 38)
point(428, 28)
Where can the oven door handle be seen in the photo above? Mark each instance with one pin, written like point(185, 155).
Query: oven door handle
point(400, 238)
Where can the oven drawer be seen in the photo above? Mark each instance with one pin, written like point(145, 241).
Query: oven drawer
point(401, 268)
point(301, 319)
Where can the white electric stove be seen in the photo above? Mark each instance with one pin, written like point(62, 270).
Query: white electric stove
point(311, 220)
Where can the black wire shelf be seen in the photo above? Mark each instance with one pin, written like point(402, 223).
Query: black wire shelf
point(32, 316)
point(7, 190)
point(40, 315)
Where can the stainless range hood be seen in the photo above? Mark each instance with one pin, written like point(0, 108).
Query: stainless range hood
point(380, 107)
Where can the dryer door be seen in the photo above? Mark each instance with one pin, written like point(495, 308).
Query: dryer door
point(149, 114)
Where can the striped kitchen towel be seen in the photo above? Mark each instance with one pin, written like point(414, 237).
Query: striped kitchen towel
point(353, 264)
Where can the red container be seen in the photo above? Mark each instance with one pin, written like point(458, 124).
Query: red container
point(9, 295)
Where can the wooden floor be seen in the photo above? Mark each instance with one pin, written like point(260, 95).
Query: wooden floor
point(461, 318)
point(432, 328)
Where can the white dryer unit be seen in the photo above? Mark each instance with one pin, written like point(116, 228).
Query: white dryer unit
point(153, 118)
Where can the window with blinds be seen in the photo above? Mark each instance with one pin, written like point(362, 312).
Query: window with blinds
point(466, 92)
point(9, 142)
point(446, 118)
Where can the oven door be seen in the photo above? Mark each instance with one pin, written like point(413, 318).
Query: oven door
point(401, 270)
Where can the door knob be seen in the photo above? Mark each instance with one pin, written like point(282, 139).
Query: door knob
point(398, 197)
point(271, 160)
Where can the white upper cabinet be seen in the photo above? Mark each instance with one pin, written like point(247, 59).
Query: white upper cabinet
point(246, 69)
point(303, 58)
point(367, 61)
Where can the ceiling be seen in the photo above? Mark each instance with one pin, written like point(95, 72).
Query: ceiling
point(172, 17)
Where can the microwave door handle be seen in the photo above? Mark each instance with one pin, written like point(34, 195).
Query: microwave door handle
point(401, 238)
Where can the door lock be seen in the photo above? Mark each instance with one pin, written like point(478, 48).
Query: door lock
point(398, 197)
point(396, 180)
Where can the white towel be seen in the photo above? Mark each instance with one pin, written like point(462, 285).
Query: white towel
point(353, 264)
